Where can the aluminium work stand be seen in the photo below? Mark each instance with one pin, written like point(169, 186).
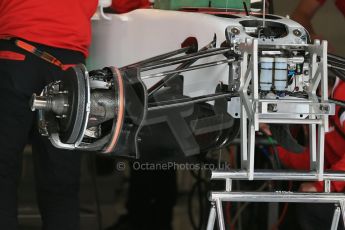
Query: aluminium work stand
point(280, 196)
point(255, 110)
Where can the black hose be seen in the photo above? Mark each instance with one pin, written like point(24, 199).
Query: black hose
point(340, 74)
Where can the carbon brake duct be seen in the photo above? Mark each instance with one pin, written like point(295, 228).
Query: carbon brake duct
point(111, 111)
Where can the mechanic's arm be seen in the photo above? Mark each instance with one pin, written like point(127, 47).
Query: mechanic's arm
point(304, 13)
point(299, 161)
point(340, 111)
point(336, 186)
point(339, 120)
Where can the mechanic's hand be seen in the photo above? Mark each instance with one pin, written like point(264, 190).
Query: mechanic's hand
point(307, 187)
point(265, 128)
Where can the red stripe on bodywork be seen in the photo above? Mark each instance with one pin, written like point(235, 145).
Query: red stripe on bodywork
point(10, 55)
point(67, 66)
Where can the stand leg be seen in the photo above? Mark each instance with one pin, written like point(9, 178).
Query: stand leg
point(312, 147)
point(342, 207)
point(244, 137)
point(251, 151)
point(212, 218)
point(220, 216)
point(320, 151)
point(336, 218)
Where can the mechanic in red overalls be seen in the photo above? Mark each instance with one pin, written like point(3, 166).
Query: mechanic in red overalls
point(62, 29)
point(319, 216)
point(334, 147)
point(306, 10)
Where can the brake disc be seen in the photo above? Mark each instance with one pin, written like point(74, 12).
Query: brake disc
point(72, 124)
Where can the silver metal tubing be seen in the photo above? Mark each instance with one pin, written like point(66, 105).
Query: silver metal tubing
point(39, 102)
point(194, 56)
point(336, 218)
point(212, 218)
point(219, 206)
point(337, 102)
point(201, 66)
point(290, 121)
point(277, 175)
point(286, 101)
point(189, 101)
point(327, 186)
point(57, 103)
point(272, 197)
point(334, 176)
point(342, 209)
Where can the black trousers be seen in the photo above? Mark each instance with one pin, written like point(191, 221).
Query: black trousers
point(316, 216)
point(151, 199)
point(57, 171)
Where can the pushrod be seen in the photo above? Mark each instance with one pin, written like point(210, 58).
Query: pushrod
point(201, 66)
point(188, 57)
point(189, 101)
point(158, 85)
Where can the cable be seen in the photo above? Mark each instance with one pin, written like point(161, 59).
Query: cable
point(244, 206)
point(281, 218)
point(200, 187)
point(283, 214)
point(268, 156)
point(275, 152)
point(197, 187)
point(228, 213)
point(337, 102)
point(339, 73)
point(228, 204)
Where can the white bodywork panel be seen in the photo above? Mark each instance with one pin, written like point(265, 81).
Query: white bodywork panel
point(141, 34)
